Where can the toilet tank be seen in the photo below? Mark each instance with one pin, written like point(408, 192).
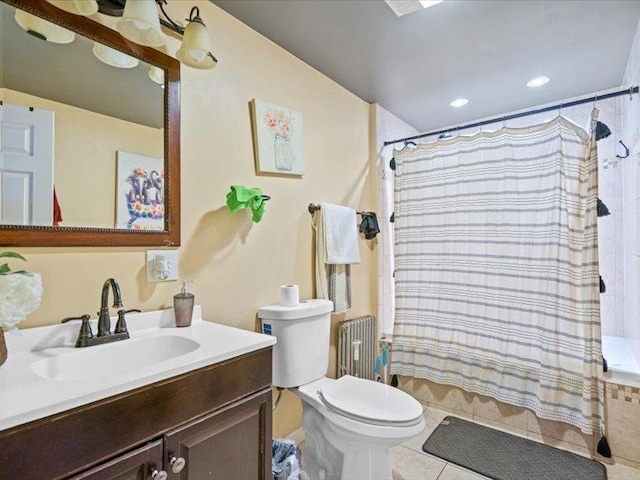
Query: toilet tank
point(301, 354)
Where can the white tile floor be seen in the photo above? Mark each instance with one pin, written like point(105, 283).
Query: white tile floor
point(409, 462)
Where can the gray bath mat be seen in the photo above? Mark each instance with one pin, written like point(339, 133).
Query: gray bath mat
point(503, 456)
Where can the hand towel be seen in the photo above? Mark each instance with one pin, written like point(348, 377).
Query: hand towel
point(340, 234)
point(240, 197)
point(333, 282)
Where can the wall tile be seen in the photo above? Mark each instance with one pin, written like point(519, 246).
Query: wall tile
point(558, 431)
point(487, 409)
point(445, 397)
point(623, 428)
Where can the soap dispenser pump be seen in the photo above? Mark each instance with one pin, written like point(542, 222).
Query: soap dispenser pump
point(183, 305)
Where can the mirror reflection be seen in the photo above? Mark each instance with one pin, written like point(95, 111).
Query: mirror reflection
point(82, 140)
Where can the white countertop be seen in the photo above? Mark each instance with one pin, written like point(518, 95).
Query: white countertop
point(26, 396)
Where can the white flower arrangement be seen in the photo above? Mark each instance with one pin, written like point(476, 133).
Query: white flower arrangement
point(20, 293)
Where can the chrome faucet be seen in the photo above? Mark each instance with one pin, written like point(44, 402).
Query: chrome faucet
point(104, 322)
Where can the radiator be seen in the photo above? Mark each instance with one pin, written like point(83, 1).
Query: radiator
point(363, 330)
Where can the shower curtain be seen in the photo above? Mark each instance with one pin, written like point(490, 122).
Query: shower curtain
point(497, 288)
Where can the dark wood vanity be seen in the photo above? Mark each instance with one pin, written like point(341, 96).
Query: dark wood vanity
point(216, 420)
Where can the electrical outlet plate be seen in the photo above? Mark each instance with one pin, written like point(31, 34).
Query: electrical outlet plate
point(169, 258)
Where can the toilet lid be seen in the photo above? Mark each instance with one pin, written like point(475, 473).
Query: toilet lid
point(371, 401)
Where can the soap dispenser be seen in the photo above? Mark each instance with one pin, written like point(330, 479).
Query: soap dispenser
point(183, 306)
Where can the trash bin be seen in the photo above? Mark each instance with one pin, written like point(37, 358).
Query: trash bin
point(285, 463)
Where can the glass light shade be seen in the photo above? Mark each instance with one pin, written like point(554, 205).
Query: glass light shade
point(77, 7)
point(196, 46)
point(157, 75)
point(43, 29)
point(140, 23)
point(113, 57)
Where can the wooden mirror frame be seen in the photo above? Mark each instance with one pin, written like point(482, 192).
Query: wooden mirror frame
point(41, 236)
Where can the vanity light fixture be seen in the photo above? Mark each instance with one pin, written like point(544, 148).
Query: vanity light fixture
point(113, 57)
point(459, 102)
point(196, 46)
point(538, 81)
point(42, 29)
point(140, 23)
point(78, 7)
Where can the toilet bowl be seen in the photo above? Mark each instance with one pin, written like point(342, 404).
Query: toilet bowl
point(352, 441)
point(349, 423)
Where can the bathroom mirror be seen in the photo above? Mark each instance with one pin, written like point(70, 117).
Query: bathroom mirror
point(90, 145)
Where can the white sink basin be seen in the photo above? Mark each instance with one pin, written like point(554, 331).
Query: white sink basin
point(45, 375)
point(113, 358)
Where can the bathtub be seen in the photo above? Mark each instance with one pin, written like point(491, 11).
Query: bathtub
point(622, 360)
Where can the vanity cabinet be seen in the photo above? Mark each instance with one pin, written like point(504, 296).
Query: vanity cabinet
point(216, 418)
point(135, 465)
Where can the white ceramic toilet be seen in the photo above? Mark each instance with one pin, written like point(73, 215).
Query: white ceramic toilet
point(349, 423)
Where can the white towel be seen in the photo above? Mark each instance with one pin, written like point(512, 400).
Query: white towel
point(340, 234)
point(333, 282)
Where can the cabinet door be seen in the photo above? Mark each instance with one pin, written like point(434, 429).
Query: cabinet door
point(233, 443)
point(134, 465)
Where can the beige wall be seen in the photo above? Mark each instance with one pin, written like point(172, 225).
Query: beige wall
point(85, 157)
point(237, 266)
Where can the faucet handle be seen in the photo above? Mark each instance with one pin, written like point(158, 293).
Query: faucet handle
point(85, 329)
point(84, 318)
point(121, 326)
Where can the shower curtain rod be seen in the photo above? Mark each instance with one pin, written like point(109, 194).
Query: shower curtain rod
point(626, 91)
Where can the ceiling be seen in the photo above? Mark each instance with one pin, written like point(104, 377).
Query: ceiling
point(483, 50)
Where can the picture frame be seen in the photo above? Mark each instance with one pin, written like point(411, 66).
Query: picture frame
point(277, 138)
point(140, 194)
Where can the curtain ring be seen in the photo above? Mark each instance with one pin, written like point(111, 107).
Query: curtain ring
point(630, 93)
point(595, 100)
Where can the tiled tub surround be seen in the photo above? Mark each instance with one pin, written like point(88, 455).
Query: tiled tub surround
point(622, 410)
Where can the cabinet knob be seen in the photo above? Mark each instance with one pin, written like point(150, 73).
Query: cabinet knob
point(158, 474)
point(177, 464)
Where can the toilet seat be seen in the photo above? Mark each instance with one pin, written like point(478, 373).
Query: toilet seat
point(371, 402)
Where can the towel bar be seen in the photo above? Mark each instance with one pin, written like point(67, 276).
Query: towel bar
point(313, 207)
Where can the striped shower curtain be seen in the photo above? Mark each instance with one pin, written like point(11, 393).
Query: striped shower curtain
point(497, 287)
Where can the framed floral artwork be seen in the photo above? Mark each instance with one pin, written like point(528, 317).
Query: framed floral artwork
point(277, 139)
point(139, 192)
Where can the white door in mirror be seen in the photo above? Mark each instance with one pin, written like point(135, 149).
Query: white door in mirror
point(162, 265)
point(26, 166)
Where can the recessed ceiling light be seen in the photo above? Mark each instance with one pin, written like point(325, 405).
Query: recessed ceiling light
point(459, 102)
point(429, 3)
point(538, 81)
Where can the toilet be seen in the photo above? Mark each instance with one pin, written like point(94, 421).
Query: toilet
point(349, 423)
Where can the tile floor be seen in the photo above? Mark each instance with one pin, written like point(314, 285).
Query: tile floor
point(409, 462)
